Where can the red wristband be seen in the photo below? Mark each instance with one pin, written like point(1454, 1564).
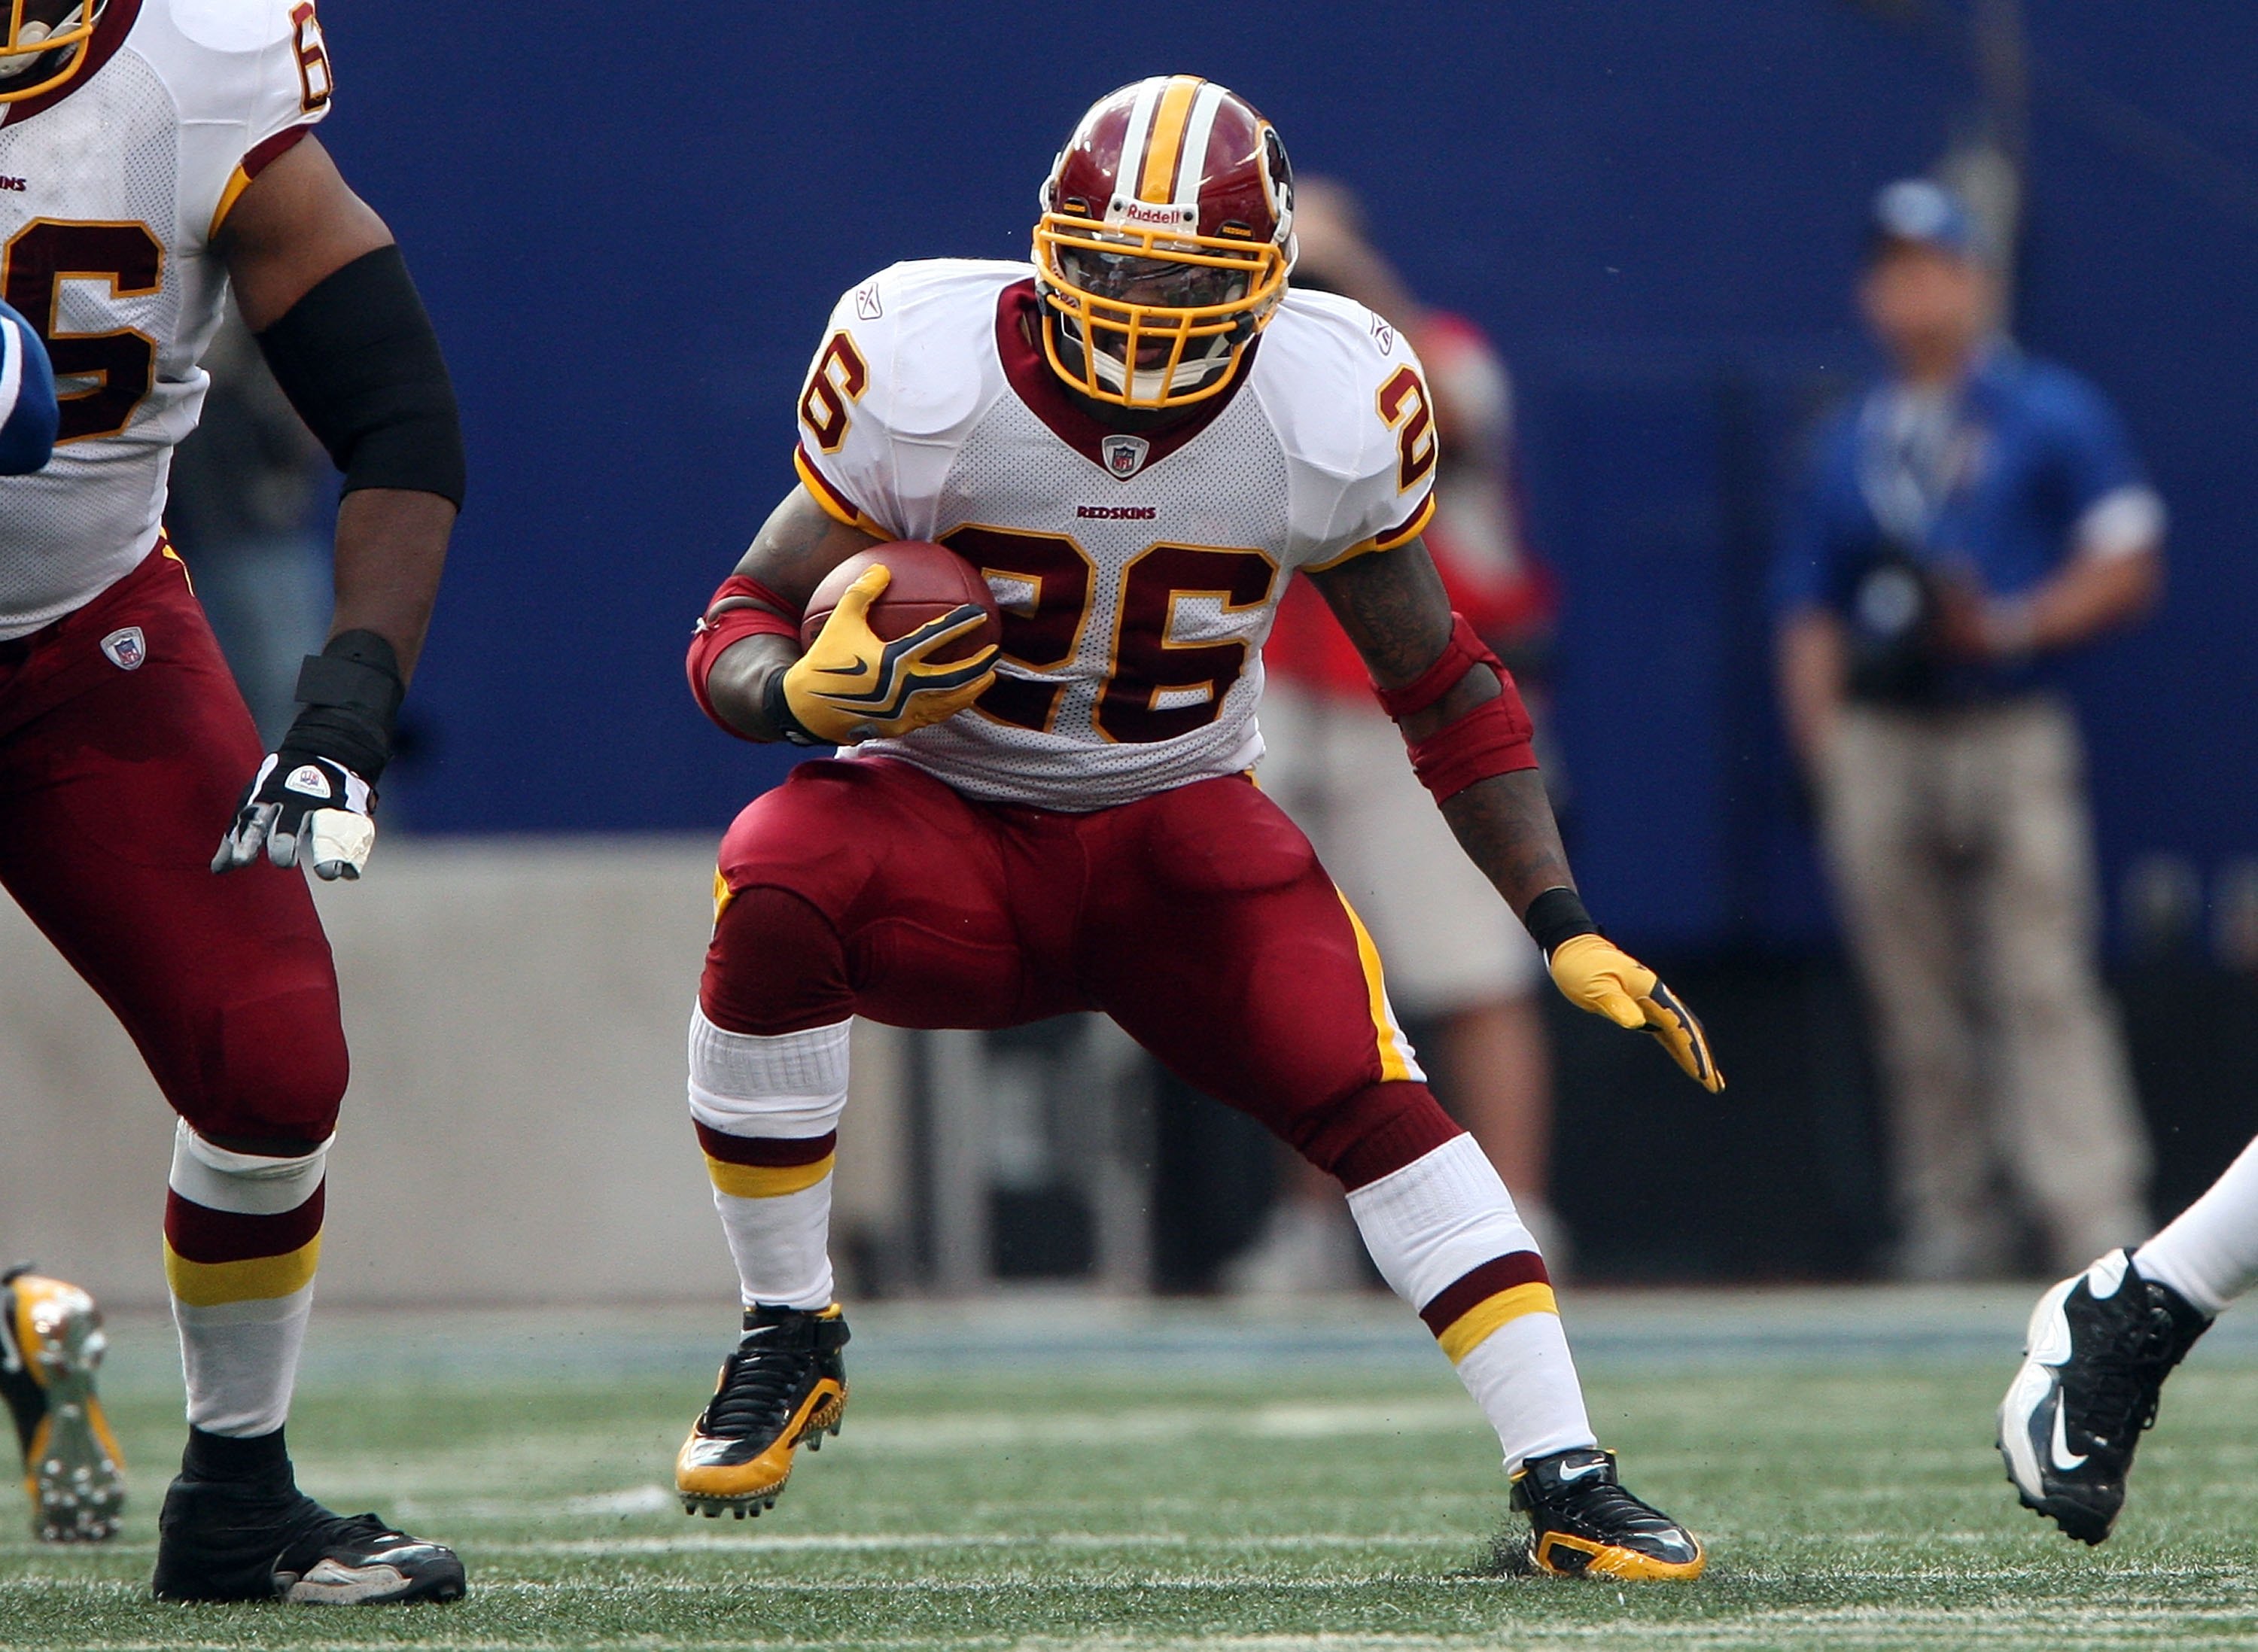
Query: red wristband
point(1493, 739)
point(734, 614)
point(1460, 654)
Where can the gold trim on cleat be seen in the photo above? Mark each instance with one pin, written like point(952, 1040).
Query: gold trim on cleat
point(747, 1488)
point(1611, 1560)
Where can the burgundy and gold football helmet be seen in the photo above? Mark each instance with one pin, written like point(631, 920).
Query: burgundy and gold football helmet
point(43, 43)
point(1165, 242)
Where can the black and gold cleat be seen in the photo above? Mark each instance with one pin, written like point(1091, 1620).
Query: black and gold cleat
point(1583, 1524)
point(51, 1341)
point(784, 1385)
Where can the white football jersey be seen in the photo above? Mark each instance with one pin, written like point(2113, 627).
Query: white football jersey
point(1138, 573)
point(111, 192)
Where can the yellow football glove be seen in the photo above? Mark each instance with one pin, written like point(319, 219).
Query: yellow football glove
point(852, 686)
point(1596, 974)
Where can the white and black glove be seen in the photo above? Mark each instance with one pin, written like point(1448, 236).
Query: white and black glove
point(313, 800)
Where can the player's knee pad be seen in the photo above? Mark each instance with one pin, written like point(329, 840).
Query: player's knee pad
point(790, 1086)
point(276, 1068)
point(219, 1178)
point(1370, 1133)
point(777, 965)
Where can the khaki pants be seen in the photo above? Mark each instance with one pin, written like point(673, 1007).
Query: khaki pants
point(1963, 856)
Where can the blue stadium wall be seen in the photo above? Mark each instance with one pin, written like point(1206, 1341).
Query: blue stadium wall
point(629, 223)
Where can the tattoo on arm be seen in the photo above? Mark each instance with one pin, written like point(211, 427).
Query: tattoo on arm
point(1505, 824)
point(798, 545)
point(1393, 605)
point(1394, 608)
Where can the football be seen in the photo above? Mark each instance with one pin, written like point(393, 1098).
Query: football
point(929, 580)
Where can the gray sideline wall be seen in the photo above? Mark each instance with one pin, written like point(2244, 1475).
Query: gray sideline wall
point(515, 1131)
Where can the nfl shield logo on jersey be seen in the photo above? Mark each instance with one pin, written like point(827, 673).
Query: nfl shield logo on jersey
point(1125, 455)
point(125, 649)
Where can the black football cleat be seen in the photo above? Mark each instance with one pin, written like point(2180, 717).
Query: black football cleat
point(1583, 1524)
point(265, 1539)
point(783, 1385)
point(2100, 1346)
point(51, 1341)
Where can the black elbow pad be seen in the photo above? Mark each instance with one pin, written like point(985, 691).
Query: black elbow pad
point(359, 362)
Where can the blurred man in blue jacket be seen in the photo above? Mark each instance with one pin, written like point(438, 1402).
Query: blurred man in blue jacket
point(1964, 524)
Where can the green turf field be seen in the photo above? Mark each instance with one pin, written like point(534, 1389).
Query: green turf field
point(1057, 1475)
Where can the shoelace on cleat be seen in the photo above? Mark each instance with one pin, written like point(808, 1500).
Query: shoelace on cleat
point(337, 1534)
point(759, 1386)
point(1605, 1510)
point(2119, 1395)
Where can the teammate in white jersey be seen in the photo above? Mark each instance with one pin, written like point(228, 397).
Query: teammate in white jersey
point(1138, 441)
point(2101, 1343)
point(153, 152)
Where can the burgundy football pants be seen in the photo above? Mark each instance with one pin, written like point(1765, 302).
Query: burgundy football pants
point(1198, 918)
point(116, 786)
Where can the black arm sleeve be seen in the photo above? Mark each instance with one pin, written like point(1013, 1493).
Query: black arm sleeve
point(359, 360)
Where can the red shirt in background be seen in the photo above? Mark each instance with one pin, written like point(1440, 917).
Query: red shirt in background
point(1493, 580)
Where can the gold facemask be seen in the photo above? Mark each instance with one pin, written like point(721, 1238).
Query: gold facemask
point(1116, 331)
point(28, 40)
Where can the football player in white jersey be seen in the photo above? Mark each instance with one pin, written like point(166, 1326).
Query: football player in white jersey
point(153, 152)
point(1138, 441)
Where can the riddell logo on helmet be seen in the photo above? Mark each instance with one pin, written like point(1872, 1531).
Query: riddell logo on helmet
point(1143, 212)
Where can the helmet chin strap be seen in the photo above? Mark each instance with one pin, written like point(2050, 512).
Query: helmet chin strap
point(20, 62)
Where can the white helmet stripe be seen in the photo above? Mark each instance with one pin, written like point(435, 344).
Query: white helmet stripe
point(1191, 164)
point(1134, 137)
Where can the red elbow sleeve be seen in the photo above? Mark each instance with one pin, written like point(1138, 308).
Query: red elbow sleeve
point(1492, 739)
point(735, 613)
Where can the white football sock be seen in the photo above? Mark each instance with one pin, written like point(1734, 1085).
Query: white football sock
point(1444, 1235)
point(2209, 1253)
point(767, 1112)
point(242, 1238)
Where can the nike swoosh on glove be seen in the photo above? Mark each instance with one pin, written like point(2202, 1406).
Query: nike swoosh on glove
point(303, 808)
point(851, 686)
point(1595, 974)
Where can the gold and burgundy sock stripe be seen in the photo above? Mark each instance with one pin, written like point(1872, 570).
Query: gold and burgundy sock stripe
point(1466, 1311)
point(766, 1166)
point(214, 1257)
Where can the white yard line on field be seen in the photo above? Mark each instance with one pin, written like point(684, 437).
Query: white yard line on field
point(858, 1543)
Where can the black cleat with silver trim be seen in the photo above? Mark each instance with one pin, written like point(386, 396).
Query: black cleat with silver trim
point(2100, 1346)
point(266, 1540)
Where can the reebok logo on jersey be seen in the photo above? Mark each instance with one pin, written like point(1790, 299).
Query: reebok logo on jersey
point(126, 649)
point(867, 306)
point(1116, 513)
